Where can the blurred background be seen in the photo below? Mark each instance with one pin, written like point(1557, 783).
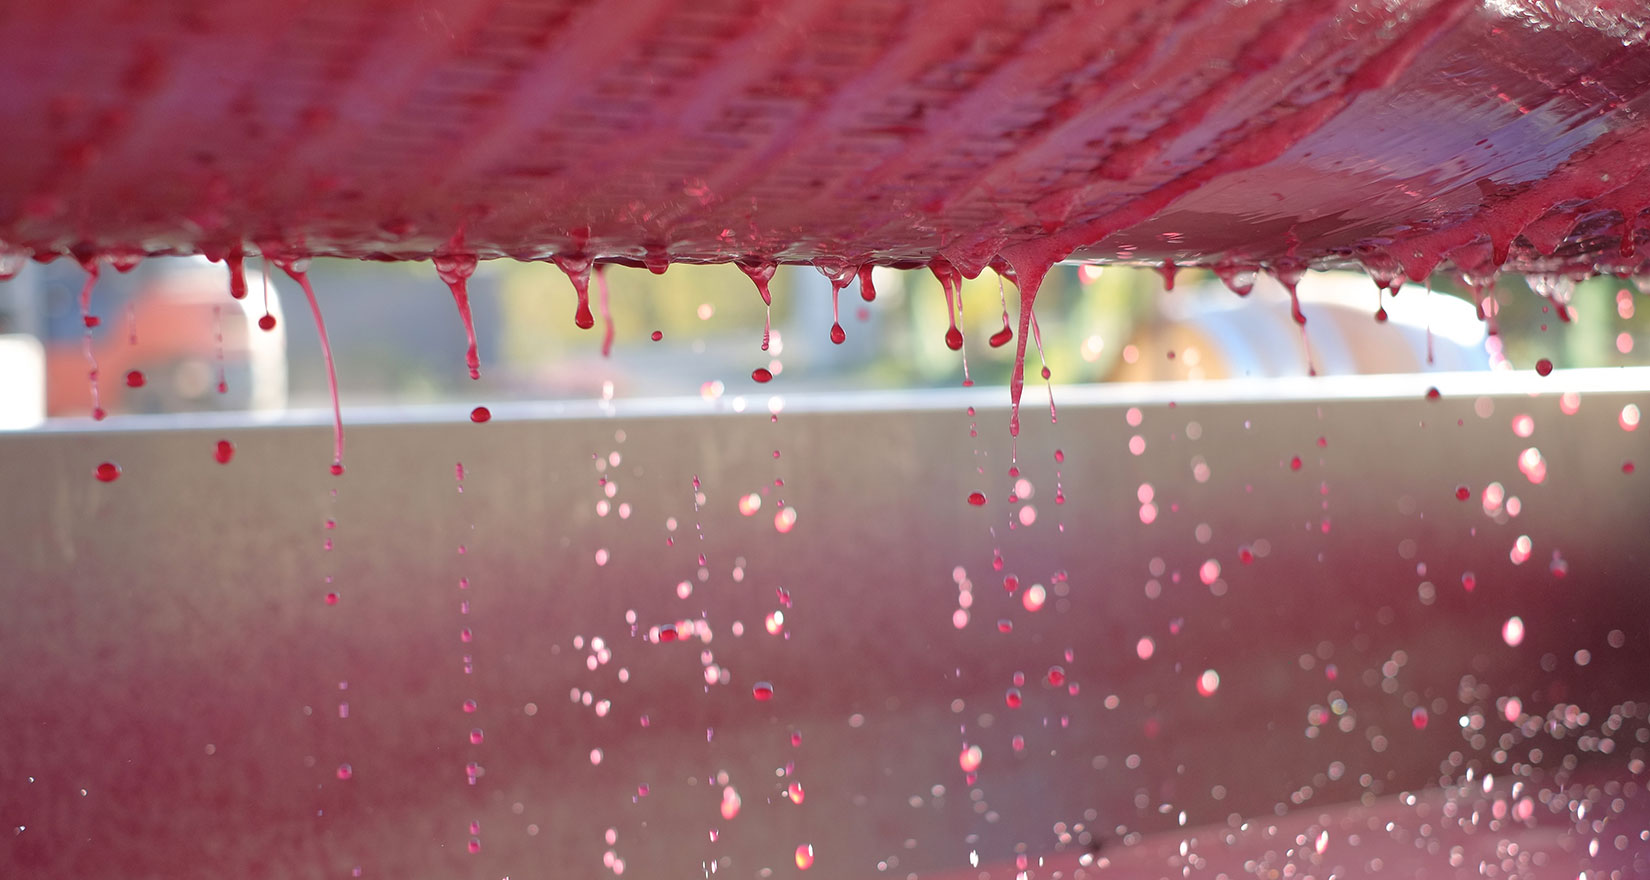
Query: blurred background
point(170, 339)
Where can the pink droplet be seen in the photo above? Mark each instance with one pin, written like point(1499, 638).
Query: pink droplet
point(108, 472)
point(345, 771)
point(977, 499)
point(480, 414)
point(762, 691)
point(224, 451)
point(1056, 676)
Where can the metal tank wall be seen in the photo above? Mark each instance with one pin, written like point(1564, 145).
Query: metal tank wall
point(174, 667)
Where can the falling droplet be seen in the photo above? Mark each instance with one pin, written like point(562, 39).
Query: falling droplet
point(577, 269)
point(949, 278)
point(235, 262)
point(840, 274)
point(345, 771)
point(223, 451)
point(867, 290)
point(135, 379)
point(480, 414)
point(761, 272)
point(1006, 335)
point(762, 691)
point(761, 374)
point(1544, 367)
point(1239, 278)
point(605, 308)
point(90, 264)
point(804, 857)
point(977, 499)
point(108, 472)
point(1029, 277)
point(455, 269)
point(657, 259)
point(658, 335)
point(297, 268)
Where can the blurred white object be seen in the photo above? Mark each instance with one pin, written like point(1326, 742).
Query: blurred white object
point(23, 394)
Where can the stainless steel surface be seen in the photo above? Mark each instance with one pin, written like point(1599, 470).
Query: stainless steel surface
point(172, 672)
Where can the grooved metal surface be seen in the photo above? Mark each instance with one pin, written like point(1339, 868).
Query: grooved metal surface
point(865, 130)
